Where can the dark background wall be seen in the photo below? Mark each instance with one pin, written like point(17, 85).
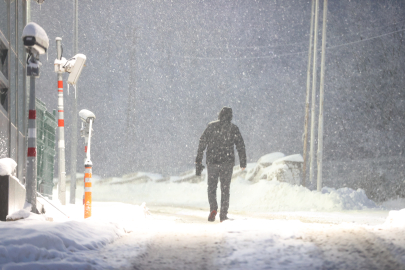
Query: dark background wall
point(159, 71)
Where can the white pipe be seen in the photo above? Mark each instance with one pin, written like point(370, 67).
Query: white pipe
point(311, 168)
point(304, 167)
point(321, 97)
point(73, 148)
point(89, 142)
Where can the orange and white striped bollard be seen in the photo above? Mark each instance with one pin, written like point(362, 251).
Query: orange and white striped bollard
point(87, 190)
point(87, 117)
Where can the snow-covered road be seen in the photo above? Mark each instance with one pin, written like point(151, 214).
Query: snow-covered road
point(180, 238)
point(118, 236)
point(276, 226)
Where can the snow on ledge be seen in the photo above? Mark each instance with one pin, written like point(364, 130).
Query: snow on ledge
point(7, 166)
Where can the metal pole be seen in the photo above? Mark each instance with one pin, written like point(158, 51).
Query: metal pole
point(304, 167)
point(76, 30)
point(25, 4)
point(31, 179)
point(87, 177)
point(28, 11)
point(17, 145)
point(86, 139)
point(9, 152)
point(321, 97)
point(311, 168)
point(88, 158)
point(61, 131)
point(73, 150)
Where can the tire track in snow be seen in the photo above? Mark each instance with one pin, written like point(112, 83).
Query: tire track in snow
point(188, 243)
point(349, 247)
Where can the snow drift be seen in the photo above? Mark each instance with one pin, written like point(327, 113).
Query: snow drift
point(33, 243)
point(395, 218)
point(271, 184)
point(263, 196)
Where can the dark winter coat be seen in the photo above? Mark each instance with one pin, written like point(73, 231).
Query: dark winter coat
point(219, 139)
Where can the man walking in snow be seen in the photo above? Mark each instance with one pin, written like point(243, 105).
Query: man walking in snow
point(219, 139)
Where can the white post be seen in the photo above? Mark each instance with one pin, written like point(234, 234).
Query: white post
point(304, 167)
point(88, 159)
point(61, 132)
point(311, 168)
point(321, 97)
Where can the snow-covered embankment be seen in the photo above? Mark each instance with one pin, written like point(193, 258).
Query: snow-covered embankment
point(33, 243)
point(263, 196)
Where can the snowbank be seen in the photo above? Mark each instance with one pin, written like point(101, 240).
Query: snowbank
point(39, 245)
point(395, 218)
point(292, 158)
point(268, 159)
point(255, 170)
point(266, 196)
point(277, 166)
point(7, 166)
point(33, 243)
point(189, 176)
point(263, 196)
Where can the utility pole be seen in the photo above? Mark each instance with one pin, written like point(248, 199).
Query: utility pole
point(31, 177)
point(17, 145)
point(76, 30)
point(304, 167)
point(36, 42)
point(73, 150)
point(311, 168)
point(61, 131)
point(321, 97)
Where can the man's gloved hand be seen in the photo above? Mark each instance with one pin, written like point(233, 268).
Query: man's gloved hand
point(198, 169)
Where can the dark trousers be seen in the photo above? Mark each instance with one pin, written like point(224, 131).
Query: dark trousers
point(224, 173)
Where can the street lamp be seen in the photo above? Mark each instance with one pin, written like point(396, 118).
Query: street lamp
point(36, 42)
